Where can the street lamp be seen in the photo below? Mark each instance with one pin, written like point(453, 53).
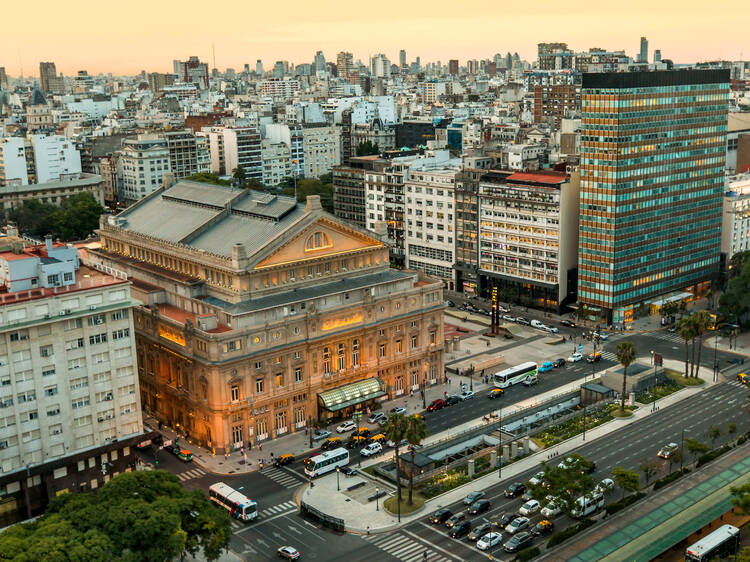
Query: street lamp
point(377, 495)
point(653, 387)
point(716, 364)
point(500, 447)
point(338, 471)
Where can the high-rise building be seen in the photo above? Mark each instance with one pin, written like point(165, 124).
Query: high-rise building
point(319, 63)
point(270, 314)
point(49, 81)
point(552, 56)
point(142, 164)
point(653, 151)
point(277, 162)
point(349, 202)
point(192, 71)
point(71, 413)
point(157, 81)
point(643, 54)
point(185, 158)
point(346, 69)
point(322, 146)
point(380, 66)
point(259, 67)
point(556, 102)
point(657, 55)
point(242, 148)
point(402, 58)
point(453, 67)
point(3, 79)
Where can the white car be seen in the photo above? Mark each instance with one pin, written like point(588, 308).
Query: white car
point(489, 540)
point(467, 395)
point(604, 485)
point(575, 357)
point(551, 329)
point(392, 444)
point(551, 510)
point(518, 524)
point(398, 410)
point(537, 479)
point(346, 426)
point(509, 318)
point(529, 508)
point(601, 335)
point(376, 417)
point(371, 449)
point(501, 308)
point(537, 324)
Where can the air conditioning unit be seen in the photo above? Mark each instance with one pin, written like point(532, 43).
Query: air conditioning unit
point(92, 307)
point(46, 315)
point(62, 313)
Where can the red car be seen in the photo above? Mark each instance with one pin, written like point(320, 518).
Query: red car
point(436, 405)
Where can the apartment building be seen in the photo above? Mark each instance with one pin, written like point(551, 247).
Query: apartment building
point(142, 165)
point(556, 102)
point(277, 162)
point(261, 315)
point(384, 136)
point(192, 71)
point(349, 189)
point(653, 155)
point(188, 154)
point(37, 159)
point(70, 414)
point(322, 148)
point(242, 148)
point(293, 137)
point(735, 228)
point(54, 192)
point(279, 89)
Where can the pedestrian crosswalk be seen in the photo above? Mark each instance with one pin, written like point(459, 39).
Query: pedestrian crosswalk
point(404, 548)
point(285, 507)
point(281, 477)
point(738, 384)
point(609, 356)
point(674, 338)
point(190, 474)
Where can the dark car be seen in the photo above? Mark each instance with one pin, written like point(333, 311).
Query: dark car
point(454, 519)
point(589, 468)
point(559, 362)
point(460, 529)
point(478, 532)
point(518, 542)
point(440, 516)
point(436, 405)
point(452, 399)
point(514, 490)
point(283, 459)
point(506, 519)
point(479, 507)
point(543, 527)
point(568, 323)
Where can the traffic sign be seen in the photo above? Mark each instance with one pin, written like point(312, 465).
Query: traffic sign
point(580, 348)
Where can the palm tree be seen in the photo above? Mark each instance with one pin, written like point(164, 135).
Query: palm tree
point(625, 355)
point(395, 431)
point(701, 323)
point(416, 431)
point(685, 329)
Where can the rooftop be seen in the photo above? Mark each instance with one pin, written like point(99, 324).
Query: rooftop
point(547, 177)
point(77, 180)
point(180, 315)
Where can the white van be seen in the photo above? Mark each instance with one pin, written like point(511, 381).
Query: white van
point(586, 505)
point(537, 324)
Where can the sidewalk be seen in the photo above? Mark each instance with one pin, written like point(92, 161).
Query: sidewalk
point(360, 514)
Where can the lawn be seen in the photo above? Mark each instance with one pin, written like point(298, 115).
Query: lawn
point(678, 377)
point(659, 391)
point(391, 504)
point(566, 430)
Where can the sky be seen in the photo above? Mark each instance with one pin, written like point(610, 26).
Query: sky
point(127, 37)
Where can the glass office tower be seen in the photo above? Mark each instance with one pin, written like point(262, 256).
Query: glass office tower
point(653, 149)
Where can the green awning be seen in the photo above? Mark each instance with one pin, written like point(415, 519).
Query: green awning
point(350, 394)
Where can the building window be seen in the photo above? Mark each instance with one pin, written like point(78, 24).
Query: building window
point(432, 337)
point(341, 356)
point(237, 435)
point(326, 360)
point(258, 386)
point(279, 380)
point(235, 393)
point(399, 346)
point(355, 353)
point(298, 374)
point(414, 342)
point(381, 350)
point(318, 241)
point(259, 364)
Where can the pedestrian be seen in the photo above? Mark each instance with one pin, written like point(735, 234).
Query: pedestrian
point(368, 529)
point(260, 446)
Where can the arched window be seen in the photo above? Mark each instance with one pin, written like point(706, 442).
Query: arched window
point(317, 241)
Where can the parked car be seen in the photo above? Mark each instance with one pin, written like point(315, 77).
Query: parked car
point(506, 519)
point(543, 527)
point(288, 553)
point(546, 366)
point(467, 395)
point(474, 496)
point(436, 405)
point(320, 435)
point(537, 324)
point(501, 308)
point(398, 410)
point(518, 542)
point(559, 362)
point(479, 507)
point(523, 321)
point(346, 426)
point(518, 524)
point(460, 529)
point(529, 508)
point(495, 393)
point(514, 490)
point(489, 540)
point(605, 485)
point(552, 509)
point(376, 417)
point(530, 380)
point(402, 443)
point(575, 357)
point(537, 479)
point(440, 516)
point(452, 399)
point(509, 318)
point(668, 450)
point(479, 531)
point(568, 323)
point(455, 518)
point(371, 449)
point(551, 329)
point(594, 357)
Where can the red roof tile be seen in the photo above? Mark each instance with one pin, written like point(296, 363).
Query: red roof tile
point(547, 176)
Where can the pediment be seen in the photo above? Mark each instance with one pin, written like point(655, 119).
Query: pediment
point(322, 238)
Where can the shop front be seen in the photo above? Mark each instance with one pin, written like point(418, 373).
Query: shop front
point(341, 402)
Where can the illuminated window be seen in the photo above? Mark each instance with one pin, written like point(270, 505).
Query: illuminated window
point(318, 241)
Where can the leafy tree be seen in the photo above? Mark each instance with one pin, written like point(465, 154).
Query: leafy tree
point(627, 480)
point(737, 263)
point(713, 434)
point(307, 187)
point(395, 430)
point(741, 498)
point(732, 428)
point(135, 516)
point(625, 355)
point(416, 431)
point(695, 447)
point(649, 468)
point(75, 218)
point(367, 148)
point(566, 484)
point(239, 176)
point(669, 309)
point(507, 294)
point(674, 458)
point(685, 329)
point(205, 177)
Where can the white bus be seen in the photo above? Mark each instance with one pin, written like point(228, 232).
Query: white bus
point(326, 462)
point(719, 545)
point(514, 375)
point(239, 506)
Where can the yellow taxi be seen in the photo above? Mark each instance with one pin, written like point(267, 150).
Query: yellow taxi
point(331, 443)
point(495, 393)
point(378, 438)
point(744, 378)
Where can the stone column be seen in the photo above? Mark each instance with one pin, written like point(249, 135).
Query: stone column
point(493, 458)
point(514, 449)
point(525, 445)
point(506, 453)
point(456, 343)
point(471, 468)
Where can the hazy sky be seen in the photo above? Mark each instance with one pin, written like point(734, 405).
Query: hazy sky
point(125, 37)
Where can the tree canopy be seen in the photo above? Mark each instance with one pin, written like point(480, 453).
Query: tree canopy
point(565, 484)
point(76, 217)
point(741, 498)
point(205, 177)
point(136, 516)
point(305, 187)
point(367, 148)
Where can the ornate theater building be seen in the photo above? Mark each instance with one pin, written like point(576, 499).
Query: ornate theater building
point(261, 316)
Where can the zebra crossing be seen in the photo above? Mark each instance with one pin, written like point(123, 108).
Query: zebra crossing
point(674, 338)
point(609, 356)
point(190, 474)
point(737, 383)
point(279, 509)
point(404, 548)
point(281, 477)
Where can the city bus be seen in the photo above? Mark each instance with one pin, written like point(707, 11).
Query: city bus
point(239, 506)
point(326, 462)
point(514, 375)
point(719, 545)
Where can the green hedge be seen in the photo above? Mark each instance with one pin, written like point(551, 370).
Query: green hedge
point(623, 503)
point(671, 478)
point(528, 553)
point(708, 457)
point(557, 538)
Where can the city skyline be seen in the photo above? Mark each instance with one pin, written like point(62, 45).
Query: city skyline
point(153, 44)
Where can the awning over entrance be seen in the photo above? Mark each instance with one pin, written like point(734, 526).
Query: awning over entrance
point(350, 394)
